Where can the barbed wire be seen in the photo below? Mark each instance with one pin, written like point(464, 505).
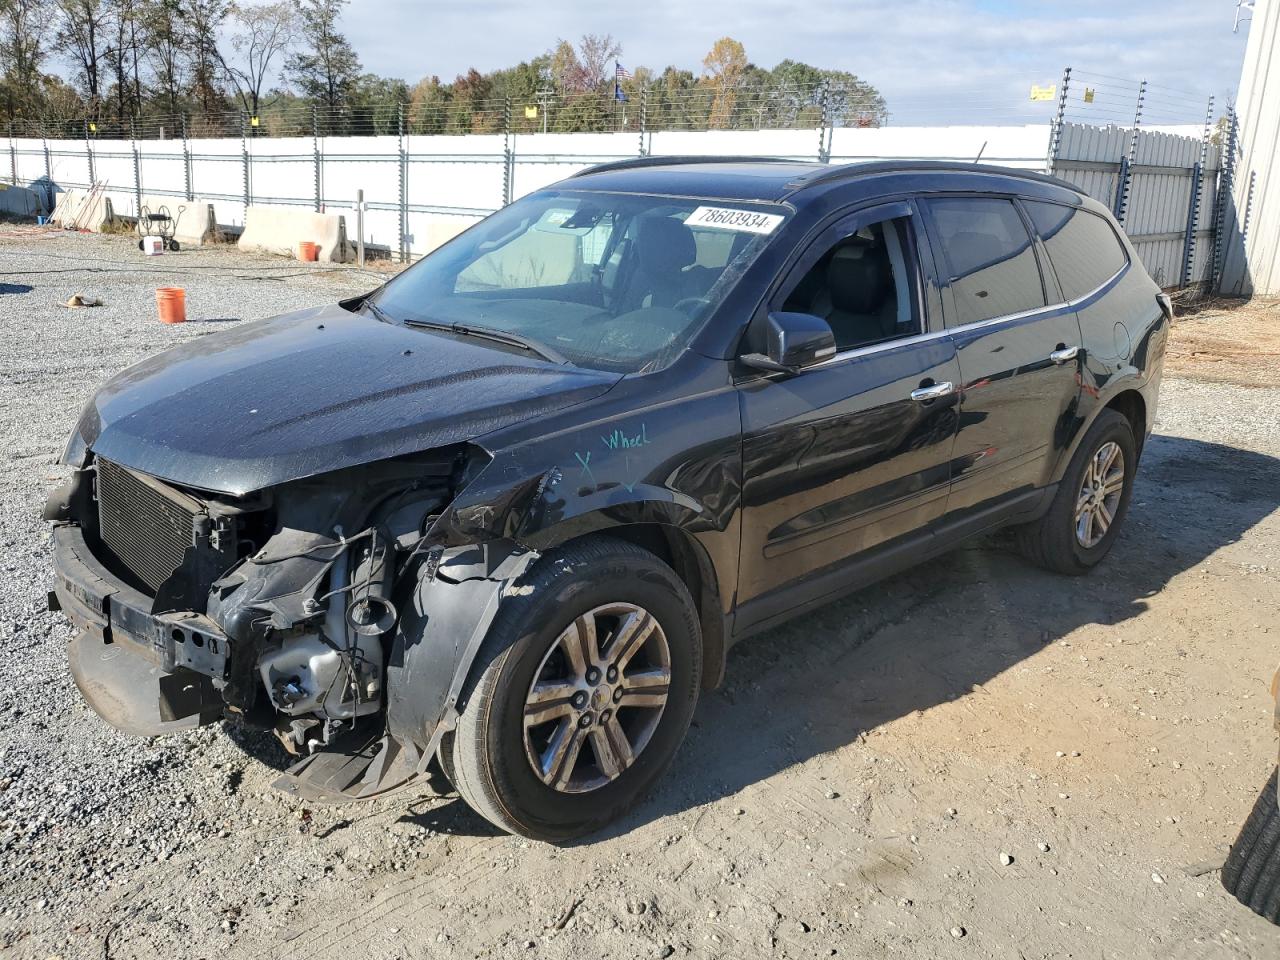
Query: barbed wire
point(1091, 98)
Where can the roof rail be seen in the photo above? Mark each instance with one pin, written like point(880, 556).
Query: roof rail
point(638, 162)
point(868, 168)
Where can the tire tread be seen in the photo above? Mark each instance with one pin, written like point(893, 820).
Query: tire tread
point(1252, 871)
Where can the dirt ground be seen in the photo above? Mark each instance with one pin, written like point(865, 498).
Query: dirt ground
point(849, 792)
point(1228, 341)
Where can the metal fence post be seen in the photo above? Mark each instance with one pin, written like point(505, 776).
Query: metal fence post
point(1126, 167)
point(245, 166)
point(1193, 210)
point(824, 154)
point(644, 116)
point(88, 153)
point(317, 161)
point(507, 161)
point(48, 164)
point(137, 167)
point(1055, 138)
point(360, 227)
point(186, 162)
point(13, 157)
point(1226, 175)
point(404, 185)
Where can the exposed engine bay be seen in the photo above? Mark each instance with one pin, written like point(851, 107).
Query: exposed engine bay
point(338, 611)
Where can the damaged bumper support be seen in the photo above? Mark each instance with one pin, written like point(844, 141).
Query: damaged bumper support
point(150, 674)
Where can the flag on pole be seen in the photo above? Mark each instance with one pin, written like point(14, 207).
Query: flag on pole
point(619, 74)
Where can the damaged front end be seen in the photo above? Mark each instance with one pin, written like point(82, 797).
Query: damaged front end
point(342, 611)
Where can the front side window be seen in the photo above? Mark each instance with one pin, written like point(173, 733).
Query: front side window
point(862, 286)
point(988, 257)
point(610, 281)
point(1082, 247)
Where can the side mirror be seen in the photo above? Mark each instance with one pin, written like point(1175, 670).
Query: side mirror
point(794, 341)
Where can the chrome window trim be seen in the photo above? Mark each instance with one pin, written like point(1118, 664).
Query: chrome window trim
point(963, 328)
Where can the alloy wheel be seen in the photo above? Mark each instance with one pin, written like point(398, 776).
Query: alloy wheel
point(1100, 492)
point(596, 698)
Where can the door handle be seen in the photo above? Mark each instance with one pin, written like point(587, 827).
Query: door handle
point(1064, 355)
point(934, 391)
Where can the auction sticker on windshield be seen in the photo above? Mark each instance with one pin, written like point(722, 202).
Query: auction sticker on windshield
point(726, 218)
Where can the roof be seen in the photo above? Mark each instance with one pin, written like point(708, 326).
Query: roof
point(765, 178)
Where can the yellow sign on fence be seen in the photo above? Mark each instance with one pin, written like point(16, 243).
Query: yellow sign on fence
point(531, 113)
point(1088, 94)
point(1044, 93)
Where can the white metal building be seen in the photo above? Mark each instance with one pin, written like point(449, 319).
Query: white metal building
point(1251, 258)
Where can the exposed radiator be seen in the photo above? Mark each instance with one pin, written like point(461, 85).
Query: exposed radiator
point(146, 525)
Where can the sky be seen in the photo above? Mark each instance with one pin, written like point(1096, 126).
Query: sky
point(934, 60)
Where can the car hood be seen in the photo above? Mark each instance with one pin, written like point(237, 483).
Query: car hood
point(311, 392)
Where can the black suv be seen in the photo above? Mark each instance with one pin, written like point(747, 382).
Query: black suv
point(502, 518)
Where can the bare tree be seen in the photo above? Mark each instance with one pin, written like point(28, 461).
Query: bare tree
point(596, 54)
point(121, 55)
point(204, 20)
point(82, 28)
point(165, 43)
point(587, 67)
point(260, 34)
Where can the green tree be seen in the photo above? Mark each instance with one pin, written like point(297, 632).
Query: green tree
point(326, 69)
point(24, 37)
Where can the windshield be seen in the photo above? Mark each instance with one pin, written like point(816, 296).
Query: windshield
point(610, 281)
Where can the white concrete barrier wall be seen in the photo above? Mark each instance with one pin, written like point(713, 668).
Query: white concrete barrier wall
point(450, 181)
point(280, 229)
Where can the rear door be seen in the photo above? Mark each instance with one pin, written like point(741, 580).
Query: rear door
point(1018, 347)
point(853, 452)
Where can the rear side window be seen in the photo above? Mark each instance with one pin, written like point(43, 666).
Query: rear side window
point(1083, 248)
point(988, 257)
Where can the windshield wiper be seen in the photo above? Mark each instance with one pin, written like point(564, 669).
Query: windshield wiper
point(498, 336)
point(376, 310)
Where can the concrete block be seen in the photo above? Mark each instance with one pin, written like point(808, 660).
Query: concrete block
point(195, 224)
point(278, 230)
point(83, 210)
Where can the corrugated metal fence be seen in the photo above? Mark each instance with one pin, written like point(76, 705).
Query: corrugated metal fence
point(1162, 187)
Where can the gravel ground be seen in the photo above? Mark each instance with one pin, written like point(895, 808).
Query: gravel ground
point(976, 759)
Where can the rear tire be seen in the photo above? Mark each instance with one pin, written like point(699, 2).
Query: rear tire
point(606, 740)
point(1252, 871)
point(1055, 541)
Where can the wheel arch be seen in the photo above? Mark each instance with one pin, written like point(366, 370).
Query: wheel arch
point(1133, 406)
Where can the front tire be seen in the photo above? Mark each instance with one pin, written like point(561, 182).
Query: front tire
point(589, 678)
point(1082, 522)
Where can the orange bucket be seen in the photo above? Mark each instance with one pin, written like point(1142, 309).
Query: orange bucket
point(172, 304)
point(308, 252)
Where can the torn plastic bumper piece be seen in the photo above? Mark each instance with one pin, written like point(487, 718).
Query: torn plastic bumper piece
point(435, 643)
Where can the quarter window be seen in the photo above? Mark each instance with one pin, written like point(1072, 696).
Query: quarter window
point(988, 257)
point(862, 286)
point(1082, 246)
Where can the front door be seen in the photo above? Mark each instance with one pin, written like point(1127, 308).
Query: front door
point(854, 452)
